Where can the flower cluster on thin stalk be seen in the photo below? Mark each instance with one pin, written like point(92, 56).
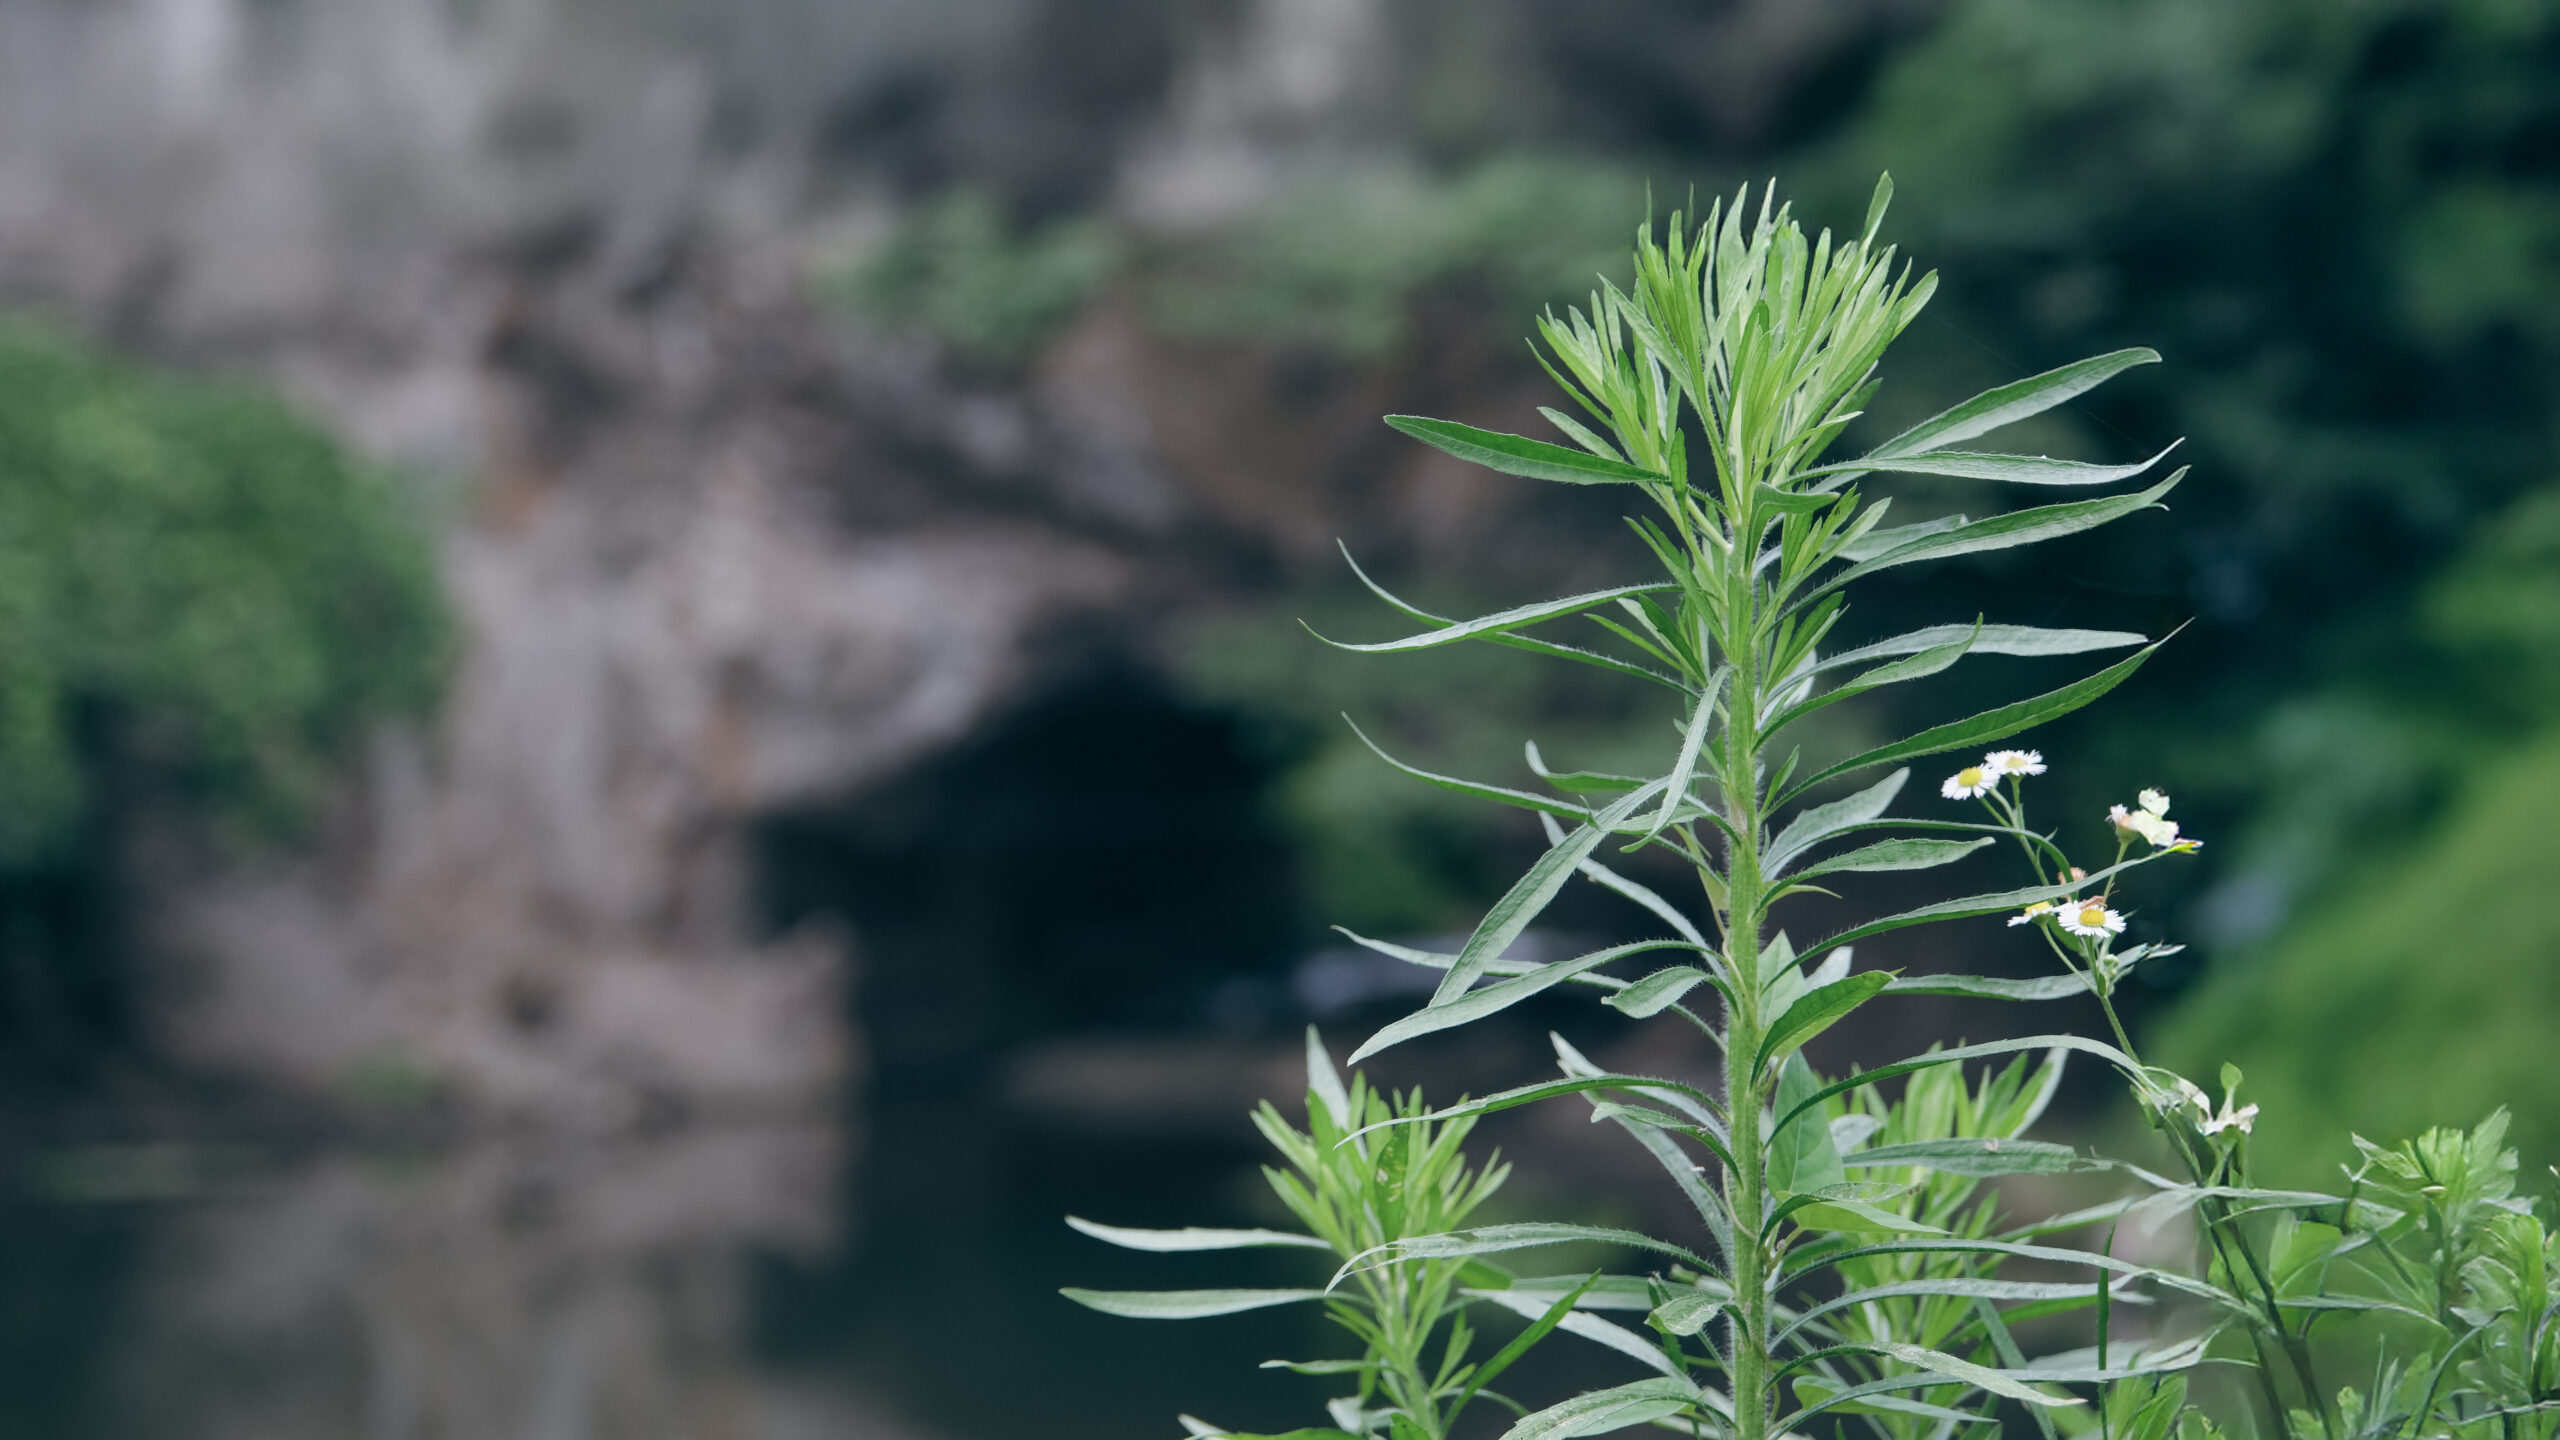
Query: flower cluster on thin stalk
point(1845, 1269)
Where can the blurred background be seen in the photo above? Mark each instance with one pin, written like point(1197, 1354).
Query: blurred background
point(651, 694)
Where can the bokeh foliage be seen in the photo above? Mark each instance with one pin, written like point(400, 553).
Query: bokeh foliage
point(202, 602)
point(192, 581)
point(2341, 225)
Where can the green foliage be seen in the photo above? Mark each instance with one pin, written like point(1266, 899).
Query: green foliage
point(956, 270)
point(196, 587)
point(2425, 990)
point(1334, 262)
point(1848, 1271)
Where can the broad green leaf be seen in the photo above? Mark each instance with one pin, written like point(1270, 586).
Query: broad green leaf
point(1688, 1314)
point(1658, 991)
point(2017, 469)
point(1981, 1376)
point(2007, 404)
point(1477, 1004)
point(1818, 822)
point(1993, 640)
point(2000, 532)
point(1184, 1304)
point(1816, 1011)
point(1988, 987)
point(1987, 1155)
point(1498, 1239)
point(1895, 855)
point(1856, 1217)
point(1190, 1238)
point(1992, 725)
point(1601, 1411)
point(1801, 1156)
point(1530, 895)
point(1522, 799)
point(1501, 621)
point(1520, 455)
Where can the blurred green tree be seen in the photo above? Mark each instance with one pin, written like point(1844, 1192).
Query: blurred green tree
point(202, 601)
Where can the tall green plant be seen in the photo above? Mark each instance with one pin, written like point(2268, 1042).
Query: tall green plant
point(1845, 1266)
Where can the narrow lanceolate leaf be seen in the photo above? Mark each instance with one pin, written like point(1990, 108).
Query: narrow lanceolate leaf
point(1818, 1010)
point(2007, 404)
point(1503, 621)
point(2017, 469)
point(1477, 1004)
point(1850, 1217)
point(1497, 1239)
point(1590, 1327)
point(1522, 799)
point(1896, 855)
point(1817, 822)
point(1530, 894)
point(1520, 455)
point(1684, 772)
point(1658, 991)
point(2105, 1052)
point(1600, 1411)
point(1688, 1096)
point(1184, 1304)
point(1969, 906)
point(1991, 640)
point(1894, 537)
point(1989, 1155)
point(1982, 1376)
point(2001, 532)
point(1992, 725)
point(1926, 663)
point(1957, 1286)
point(1989, 987)
point(1190, 1238)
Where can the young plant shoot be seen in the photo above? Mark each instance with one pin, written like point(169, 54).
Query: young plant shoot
point(1846, 1270)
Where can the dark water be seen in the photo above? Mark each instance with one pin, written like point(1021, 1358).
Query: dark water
point(1083, 963)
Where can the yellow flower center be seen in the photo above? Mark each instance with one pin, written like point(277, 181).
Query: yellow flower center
point(2093, 915)
point(1969, 776)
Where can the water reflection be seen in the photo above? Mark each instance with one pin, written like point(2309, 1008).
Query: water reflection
point(521, 1287)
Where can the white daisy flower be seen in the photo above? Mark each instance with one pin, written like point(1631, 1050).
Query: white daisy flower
point(2147, 824)
point(2091, 918)
point(2014, 762)
point(1969, 782)
point(2188, 1092)
point(2241, 1119)
point(2041, 907)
